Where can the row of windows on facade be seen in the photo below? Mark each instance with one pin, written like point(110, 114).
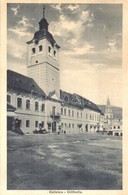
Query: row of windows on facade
point(72, 125)
point(79, 114)
point(40, 49)
point(27, 123)
point(28, 104)
point(115, 127)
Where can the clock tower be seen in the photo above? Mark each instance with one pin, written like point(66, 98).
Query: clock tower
point(43, 59)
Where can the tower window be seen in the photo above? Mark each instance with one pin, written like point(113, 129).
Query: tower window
point(40, 48)
point(54, 53)
point(49, 49)
point(33, 50)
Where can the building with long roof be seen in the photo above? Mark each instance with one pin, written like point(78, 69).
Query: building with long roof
point(38, 98)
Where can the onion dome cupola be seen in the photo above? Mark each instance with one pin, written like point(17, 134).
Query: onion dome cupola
point(43, 32)
point(43, 24)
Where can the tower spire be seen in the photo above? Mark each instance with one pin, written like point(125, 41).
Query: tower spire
point(43, 11)
point(108, 102)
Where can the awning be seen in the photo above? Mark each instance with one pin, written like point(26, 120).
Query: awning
point(12, 114)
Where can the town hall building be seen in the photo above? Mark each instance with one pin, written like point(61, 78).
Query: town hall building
point(37, 100)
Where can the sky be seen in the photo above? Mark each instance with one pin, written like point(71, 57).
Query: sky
point(90, 37)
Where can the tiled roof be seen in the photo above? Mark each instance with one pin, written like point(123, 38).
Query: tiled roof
point(78, 101)
point(23, 83)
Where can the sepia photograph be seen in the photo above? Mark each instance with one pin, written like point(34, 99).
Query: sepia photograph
point(64, 96)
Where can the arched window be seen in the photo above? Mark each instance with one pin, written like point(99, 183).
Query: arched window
point(33, 50)
point(40, 48)
point(49, 49)
point(54, 53)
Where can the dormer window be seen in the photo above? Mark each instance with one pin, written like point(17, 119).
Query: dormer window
point(49, 49)
point(33, 50)
point(40, 48)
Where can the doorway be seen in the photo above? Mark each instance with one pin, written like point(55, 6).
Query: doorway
point(54, 127)
point(10, 123)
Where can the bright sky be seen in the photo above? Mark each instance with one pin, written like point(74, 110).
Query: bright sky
point(90, 37)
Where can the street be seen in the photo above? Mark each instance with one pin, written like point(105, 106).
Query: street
point(72, 162)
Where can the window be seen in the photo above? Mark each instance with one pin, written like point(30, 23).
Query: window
point(54, 53)
point(72, 112)
point(19, 102)
point(20, 123)
point(114, 127)
point(9, 99)
point(69, 125)
point(66, 99)
point(28, 104)
point(65, 112)
point(77, 114)
point(81, 115)
point(62, 125)
point(90, 117)
point(49, 49)
point(72, 125)
point(68, 112)
point(40, 48)
point(86, 116)
point(118, 127)
point(36, 123)
point(43, 107)
point(61, 111)
point(42, 123)
point(36, 106)
point(27, 123)
point(33, 50)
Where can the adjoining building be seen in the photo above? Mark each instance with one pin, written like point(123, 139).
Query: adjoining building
point(112, 121)
point(38, 99)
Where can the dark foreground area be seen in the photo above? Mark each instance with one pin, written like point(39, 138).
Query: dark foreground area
point(64, 162)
